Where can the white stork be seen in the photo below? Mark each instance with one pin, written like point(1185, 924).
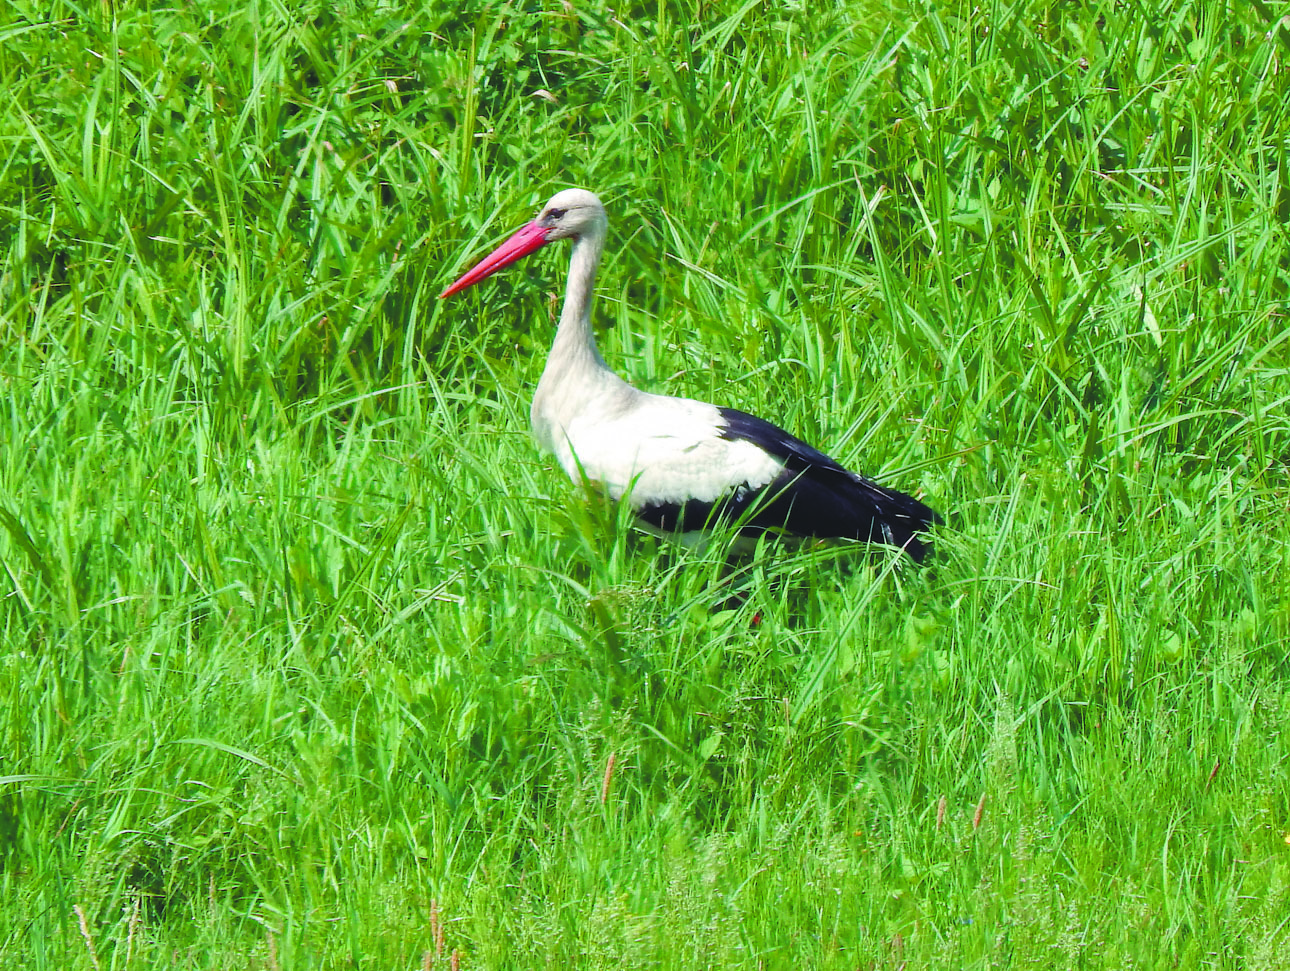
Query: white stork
point(682, 464)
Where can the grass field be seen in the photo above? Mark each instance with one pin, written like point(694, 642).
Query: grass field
point(310, 660)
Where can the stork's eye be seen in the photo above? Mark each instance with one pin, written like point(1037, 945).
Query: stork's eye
point(556, 213)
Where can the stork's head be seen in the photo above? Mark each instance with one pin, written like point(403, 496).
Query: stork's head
point(569, 214)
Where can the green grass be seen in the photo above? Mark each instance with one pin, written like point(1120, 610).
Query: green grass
point(307, 652)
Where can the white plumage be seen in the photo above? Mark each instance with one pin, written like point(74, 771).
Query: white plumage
point(662, 450)
point(678, 462)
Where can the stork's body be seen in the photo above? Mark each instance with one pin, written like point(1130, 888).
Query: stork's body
point(682, 463)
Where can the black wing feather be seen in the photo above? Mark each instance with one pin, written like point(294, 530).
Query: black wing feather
point(813, 496)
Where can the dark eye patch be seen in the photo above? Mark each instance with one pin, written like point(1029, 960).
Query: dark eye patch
point(556, 213)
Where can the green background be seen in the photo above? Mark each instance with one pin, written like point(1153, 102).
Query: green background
point(309, 659)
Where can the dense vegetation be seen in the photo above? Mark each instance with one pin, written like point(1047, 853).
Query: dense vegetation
point(311, 661)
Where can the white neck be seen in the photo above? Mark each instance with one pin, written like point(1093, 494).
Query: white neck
point(575, 348)
point(575, 376)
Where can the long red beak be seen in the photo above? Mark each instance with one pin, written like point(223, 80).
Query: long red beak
point(529, 238)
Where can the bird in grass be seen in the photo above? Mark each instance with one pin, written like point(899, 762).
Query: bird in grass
point(683, 466)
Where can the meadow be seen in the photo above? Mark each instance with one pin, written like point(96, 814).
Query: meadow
point(310, 660)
